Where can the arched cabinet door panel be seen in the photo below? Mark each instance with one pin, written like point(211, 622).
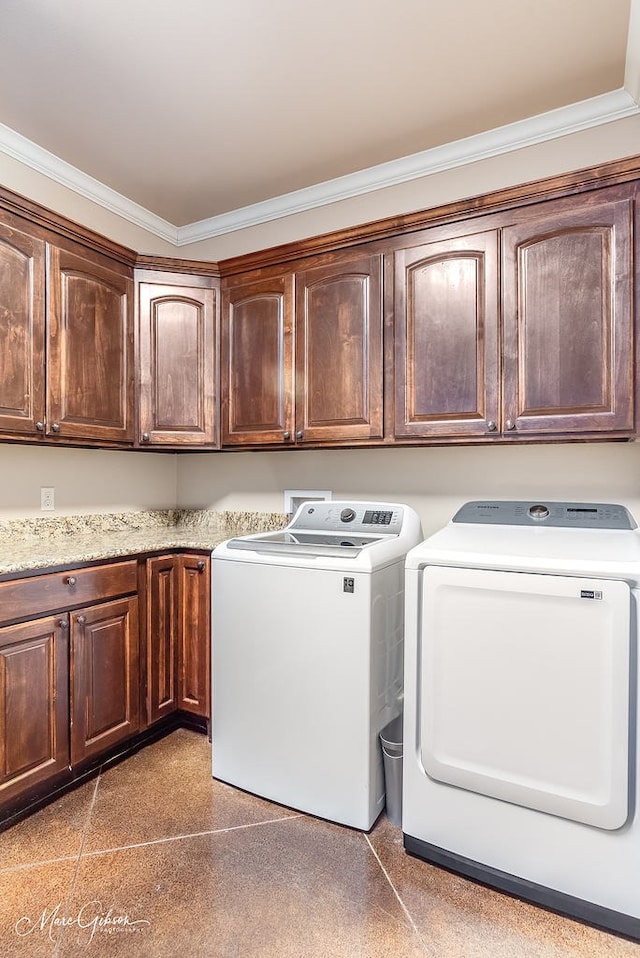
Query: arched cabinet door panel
point(257, 362)
point(568, 323)
point(89, 347)
point(446, 338)
point(176, 364)
point(339, 361)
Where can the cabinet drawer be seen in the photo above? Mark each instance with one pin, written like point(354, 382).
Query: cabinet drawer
point(22, 598)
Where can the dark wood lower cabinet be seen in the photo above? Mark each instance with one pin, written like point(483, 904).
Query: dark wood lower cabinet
point(195, 635)
point(34, 704)
point(72, 676)
point(178, 635)
point(162, 637)
point(105, 677)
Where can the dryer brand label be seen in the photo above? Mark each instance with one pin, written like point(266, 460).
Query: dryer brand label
point(590, 594)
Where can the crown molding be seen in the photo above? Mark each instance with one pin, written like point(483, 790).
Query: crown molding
point(505, 139)
point(584, 115)
point(42, 161)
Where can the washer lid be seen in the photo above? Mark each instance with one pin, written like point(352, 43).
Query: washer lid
point(304, 543)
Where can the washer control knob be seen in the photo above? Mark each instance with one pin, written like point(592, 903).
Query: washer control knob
point(347, 515)
point(538, 511)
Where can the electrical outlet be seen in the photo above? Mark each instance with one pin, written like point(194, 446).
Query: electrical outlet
point(47, 498)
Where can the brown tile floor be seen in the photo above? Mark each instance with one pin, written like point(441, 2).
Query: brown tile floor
point(154, 858)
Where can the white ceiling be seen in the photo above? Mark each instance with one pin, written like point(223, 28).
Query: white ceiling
point(194, 110)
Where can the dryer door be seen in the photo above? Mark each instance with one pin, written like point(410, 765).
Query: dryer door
point(524, 689)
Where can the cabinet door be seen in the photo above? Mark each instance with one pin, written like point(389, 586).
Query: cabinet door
point(568, 325)
point(90, 348)
point(105, 676)
point(176, 365)
point(34, 704)
point(339, 369)
point(195, 634)
point(163, 583)
point(446, 338)
point(257, 362)
point(22, 272)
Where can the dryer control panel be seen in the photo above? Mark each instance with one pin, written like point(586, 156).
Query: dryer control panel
point(581, 515)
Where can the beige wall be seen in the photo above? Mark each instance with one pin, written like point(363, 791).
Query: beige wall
point(435, 481)
point(85, 480)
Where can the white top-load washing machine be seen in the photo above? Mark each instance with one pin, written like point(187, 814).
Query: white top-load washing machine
point(307, 640)
point(520, 717)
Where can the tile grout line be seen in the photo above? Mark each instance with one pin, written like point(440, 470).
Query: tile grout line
point(425, 946)
point(178, 838)
point(72, 885)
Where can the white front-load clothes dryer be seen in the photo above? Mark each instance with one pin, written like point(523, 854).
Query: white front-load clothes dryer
point(520, 715)
point(307, 633)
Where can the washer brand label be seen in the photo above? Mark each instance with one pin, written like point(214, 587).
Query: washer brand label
point(590, 594)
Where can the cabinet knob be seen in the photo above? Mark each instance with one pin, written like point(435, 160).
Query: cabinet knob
point(63, 623)
point(510, 424)
point(299, 434)
point(491, 426)
point(55, 427)
point(40, 427)
point(145, 437)
point(81, 619)
point(200, 566)
point(286, 435)
point(70, 580)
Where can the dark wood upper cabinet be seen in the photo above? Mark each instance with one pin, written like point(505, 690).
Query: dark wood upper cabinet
point(502, 316)
point(304, 368)
point(339, 367)
point(22, 325)
point(89, 347)
point(446, 337)
point(176, 363)
point(256, 366)
point(540, 345)
point(568, 320)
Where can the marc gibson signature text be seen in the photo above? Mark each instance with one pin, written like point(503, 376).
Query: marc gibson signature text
point(92, 917)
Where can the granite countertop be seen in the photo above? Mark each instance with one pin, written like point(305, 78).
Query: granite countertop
point(28, 544)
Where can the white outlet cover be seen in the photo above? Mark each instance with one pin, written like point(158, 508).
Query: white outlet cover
point(293, 497)
point(47, 498)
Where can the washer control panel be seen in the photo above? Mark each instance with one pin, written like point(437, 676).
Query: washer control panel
point(581, 515)
point(357, 517)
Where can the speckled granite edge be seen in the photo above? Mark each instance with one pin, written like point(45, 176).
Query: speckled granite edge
point(30, 544)
point(181, 519)
point(59, 526)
